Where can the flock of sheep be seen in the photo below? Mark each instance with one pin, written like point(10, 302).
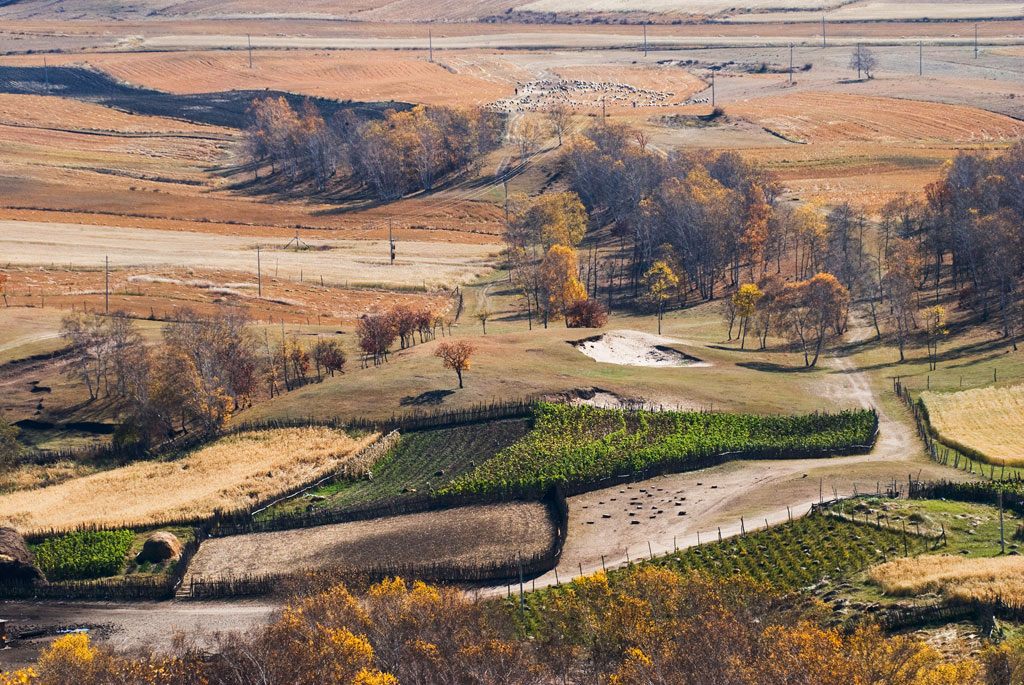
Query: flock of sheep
point(539, 96)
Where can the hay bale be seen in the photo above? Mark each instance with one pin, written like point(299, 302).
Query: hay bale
point(160, 546)
point(16, 562)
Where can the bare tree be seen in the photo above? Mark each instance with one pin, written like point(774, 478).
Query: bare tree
point(559, 118)
point(863, 61)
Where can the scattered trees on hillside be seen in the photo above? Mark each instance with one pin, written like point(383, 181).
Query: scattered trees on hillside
point(397, 153)
point(377, 331)
point(744, 301)
point(455, 356)
point(811, 310)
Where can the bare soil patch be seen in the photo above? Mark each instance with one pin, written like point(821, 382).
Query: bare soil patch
point(634, 348)
point(464, 535)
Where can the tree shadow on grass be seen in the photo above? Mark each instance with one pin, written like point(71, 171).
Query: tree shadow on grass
point(425, 399)
point(771, 367)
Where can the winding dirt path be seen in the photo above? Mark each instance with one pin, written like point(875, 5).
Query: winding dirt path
point(609, 526)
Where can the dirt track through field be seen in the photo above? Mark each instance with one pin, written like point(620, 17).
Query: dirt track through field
point(610, 525)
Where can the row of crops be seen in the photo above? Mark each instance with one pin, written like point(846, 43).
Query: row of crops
point(580, 445)
point(788, 557)
point(422, 461)
point(83, 555)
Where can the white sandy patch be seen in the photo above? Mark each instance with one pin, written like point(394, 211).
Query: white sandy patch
point(634, 348)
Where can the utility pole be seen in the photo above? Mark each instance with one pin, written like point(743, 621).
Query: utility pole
point(920, 58)
point(712, 90)
point(391, 241)
point(645, 39)
point(106, 284)
point(430, 43)
point(858, 61)
point(259, 275)
point(824, 43)
point(791, 64)
point(603, 115)
point(46, 75)
point(249, 37)
point(975, 41)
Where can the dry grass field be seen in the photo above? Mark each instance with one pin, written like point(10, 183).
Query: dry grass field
point(338, 74)
point(984, 420)
point(231, 473)
point(161, 293)
point(830, 118)
point(464, 535)
point(953, 577)
point(339, 262)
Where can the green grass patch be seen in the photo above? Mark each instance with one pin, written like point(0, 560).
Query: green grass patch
point(580, 445)
point(421, 461)
point(84, 555)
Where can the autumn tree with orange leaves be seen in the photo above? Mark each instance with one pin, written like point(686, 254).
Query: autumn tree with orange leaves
point(455, 356)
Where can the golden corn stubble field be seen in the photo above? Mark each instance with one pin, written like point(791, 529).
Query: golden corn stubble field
point(987, 420)
point(232, 473)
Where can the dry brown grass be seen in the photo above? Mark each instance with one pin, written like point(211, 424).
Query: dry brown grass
point(985, 421)
point(231, 473)
point(956, 577)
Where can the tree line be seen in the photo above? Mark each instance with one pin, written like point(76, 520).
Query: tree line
point(392, 155)
point(647, 625)
point(205, 368)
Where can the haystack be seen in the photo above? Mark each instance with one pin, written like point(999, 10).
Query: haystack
point(160, 546)
point(16, 562)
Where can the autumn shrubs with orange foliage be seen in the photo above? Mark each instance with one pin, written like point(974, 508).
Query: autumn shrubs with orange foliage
point(644, 625)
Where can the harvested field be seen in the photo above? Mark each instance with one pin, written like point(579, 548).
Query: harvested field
point(338, 74)
point(465, 535)
point(161, 293)
point(953, 577)
point(826, 118)
point(339, 262)
point(231, 473)
point(985, 422)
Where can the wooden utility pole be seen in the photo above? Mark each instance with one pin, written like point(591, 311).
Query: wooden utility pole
point(858, 61)
point(791, 63)
point(645, 39)
point(824, 43)
point(391, 241)
point(46, 74)
point(975, 41)
point(249, 37)
point(920, 57)
point(259, 275)
point(106, 286)
point(603, 114)
point(430, 43)
point(712, 90)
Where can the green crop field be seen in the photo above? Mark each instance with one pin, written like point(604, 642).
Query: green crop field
point(580, 445)
point(83, 555)
point(421, 460)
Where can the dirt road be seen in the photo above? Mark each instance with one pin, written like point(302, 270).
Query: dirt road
point(609, 526)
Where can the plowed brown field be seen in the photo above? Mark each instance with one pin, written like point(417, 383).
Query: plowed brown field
point(340, 74)
point(835, 117)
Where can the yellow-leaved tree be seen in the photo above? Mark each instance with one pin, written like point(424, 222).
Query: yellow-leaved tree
point(744, 301)
point(662, 283)
point(559, 281)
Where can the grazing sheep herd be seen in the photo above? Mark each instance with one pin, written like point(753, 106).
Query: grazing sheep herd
point(539, 96)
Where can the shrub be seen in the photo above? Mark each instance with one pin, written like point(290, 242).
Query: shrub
point(586, 314)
